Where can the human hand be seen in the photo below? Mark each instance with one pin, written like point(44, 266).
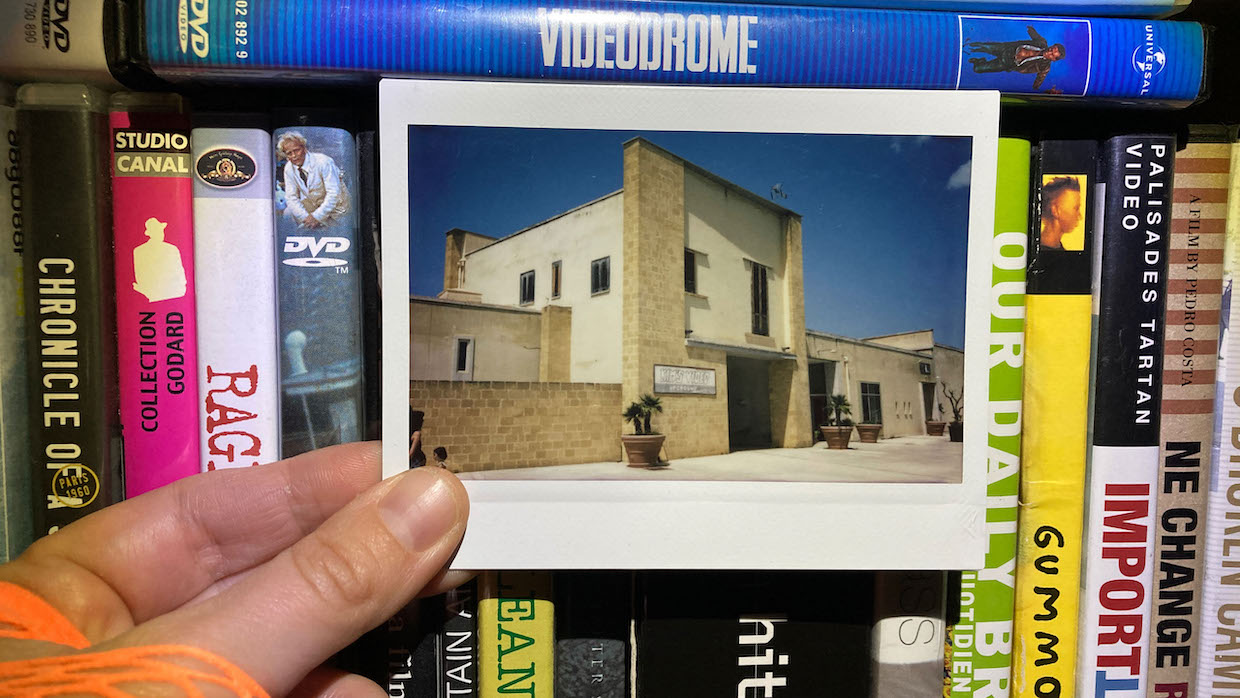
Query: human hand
point(311, 222)
point(273, 568)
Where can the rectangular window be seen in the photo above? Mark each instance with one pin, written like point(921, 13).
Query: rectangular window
point(527, 288)
point(555, 279)
point(690, 272)
point(463, 359)
point(600, 275)
point(871, 404)
point(759, 301)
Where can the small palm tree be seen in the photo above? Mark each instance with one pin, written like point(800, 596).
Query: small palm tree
point(634, 415)
point(840, 406)
point(649, 405)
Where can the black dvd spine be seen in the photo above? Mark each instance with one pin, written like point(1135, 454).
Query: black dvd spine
point(1137, 171)
point(592, 624)
point(457, 647)
point(71, 349)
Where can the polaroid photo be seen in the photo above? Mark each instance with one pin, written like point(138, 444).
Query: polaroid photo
point(658, 327)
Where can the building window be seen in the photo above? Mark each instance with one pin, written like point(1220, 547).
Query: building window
point(600, 275)
point(464, 359)
point(871, 404)
point(555, 279)
point(527, 288)
point(759, 301)
point(690, 271)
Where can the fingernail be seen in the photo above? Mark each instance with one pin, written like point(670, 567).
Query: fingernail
point(419, 510)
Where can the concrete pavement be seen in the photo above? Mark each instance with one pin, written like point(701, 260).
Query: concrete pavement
point(904, 459)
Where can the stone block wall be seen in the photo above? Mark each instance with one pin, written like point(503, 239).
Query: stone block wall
point(555, 360)
point(654, 304)
point(498, 425)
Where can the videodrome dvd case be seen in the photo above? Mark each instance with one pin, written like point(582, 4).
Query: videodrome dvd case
point(731, 278)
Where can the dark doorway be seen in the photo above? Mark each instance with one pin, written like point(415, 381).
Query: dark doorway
point(927, 396)
point(821, 378)
point(749, 404)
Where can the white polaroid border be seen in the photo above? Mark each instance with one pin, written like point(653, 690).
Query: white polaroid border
point(691, 524)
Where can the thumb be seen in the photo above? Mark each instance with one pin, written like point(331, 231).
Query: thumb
point(285, 617)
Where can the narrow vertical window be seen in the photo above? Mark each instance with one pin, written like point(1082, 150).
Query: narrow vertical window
point(555, 279)
point(600, 275)
point(690, 271)
point(759, 301)
point(464, 359)
point(527, 288)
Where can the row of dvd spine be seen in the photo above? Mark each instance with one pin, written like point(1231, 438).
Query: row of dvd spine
point(184, 317)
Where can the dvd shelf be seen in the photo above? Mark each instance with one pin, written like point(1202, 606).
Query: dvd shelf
point(728, 234)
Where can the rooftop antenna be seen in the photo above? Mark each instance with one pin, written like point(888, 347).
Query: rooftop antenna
point(778, 190)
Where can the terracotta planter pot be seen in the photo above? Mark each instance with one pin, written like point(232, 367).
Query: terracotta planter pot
point(868, 433)
point(837, 437)
point(642, 451)
point(955, 431)
point(935, 428)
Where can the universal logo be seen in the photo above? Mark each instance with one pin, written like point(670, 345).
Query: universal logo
point(1149, 59)
point(192, 27)
point(315, 246)
point(56, 24)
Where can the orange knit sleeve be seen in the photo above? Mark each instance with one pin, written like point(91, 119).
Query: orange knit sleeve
point(186, 671)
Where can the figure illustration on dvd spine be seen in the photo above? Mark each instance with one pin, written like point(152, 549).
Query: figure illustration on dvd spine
point(320, 306)
point(1033, 57)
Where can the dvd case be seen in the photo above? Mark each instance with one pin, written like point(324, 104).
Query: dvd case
point(1134, 198)
point(1056, 420)
point(318, 284)
point(235, 251)
point(1150, 62)
point(16, 512)
point(1216, 639)
point(71, 353)
point(156, 332)
point(1194, 296)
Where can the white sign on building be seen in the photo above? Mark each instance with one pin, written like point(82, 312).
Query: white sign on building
point(683, 380)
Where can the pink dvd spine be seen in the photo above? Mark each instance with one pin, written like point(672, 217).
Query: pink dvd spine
point(155, 317)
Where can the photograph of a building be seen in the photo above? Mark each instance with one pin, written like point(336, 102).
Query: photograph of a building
point(742, 315)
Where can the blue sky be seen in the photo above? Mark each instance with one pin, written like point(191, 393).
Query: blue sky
point(884, 218)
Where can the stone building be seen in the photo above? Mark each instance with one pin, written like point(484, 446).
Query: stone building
point(681, 284)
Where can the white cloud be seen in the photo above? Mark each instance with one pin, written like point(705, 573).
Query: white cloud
point(960, 178)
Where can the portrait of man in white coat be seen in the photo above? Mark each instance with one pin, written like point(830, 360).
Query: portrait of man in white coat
point(314, 189)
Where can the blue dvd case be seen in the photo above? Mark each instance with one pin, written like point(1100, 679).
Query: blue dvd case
point(319, 287)
point(1144, 61)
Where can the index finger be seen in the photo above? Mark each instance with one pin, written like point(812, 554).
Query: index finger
point(146, 556)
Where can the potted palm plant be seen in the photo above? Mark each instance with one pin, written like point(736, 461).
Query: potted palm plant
point(955, 429)
point(838, 429)
point(642, 447)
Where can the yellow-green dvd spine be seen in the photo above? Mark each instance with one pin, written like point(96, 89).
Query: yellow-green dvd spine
point(1058, 330)
point(516, 635)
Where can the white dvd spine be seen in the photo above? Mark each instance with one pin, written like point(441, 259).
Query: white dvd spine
point(238, 361)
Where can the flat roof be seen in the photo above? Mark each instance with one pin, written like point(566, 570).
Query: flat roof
point(472, 306)
point(867, 343)
point(543, 222)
